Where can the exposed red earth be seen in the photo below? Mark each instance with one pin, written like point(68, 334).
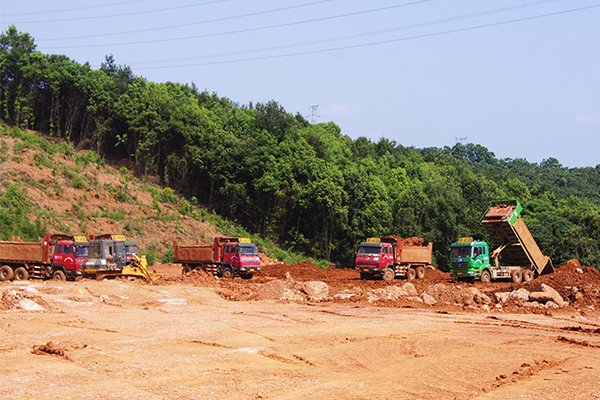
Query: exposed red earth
point(295, 332)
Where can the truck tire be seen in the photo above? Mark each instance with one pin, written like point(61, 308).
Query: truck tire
point(21, 274)
point(528, 275)
point(516, 276)
point(389, 274)
point(6, 273)
point(411, 274)
point(186, 270)
point(485, 277)
point(420, 272)
point(227, 273)
point(59, 275)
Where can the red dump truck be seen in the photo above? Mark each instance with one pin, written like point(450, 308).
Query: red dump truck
point(226, 257)
point(57, 256)
point(390, 257)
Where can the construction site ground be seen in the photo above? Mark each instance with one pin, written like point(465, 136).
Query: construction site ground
point(299, 332)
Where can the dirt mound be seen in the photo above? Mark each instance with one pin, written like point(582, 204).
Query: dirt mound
point(435, 275)
point(303, 271)
point(413, 241)
point(580, 286)
point(197, 276)
point(571, 274)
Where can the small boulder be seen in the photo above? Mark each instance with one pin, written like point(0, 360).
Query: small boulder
point(428, 299)
point(315, 290)
point(502, 297)
point(551, 304)
point(519, 295)
point(556, 297)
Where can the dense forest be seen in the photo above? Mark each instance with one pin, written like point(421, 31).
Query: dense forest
point(308, 187)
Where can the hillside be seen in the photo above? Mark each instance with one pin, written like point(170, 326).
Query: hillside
point(75, 192)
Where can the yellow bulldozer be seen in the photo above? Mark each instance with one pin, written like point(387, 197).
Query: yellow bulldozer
point(107, 259)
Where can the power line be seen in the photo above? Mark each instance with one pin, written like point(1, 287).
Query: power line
point(359, 45)
point(229, 32)
point(74, 9)
point(419, 25)
point(170, 9)
point(122, 14)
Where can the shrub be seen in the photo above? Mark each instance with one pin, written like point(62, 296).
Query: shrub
point(78, 182)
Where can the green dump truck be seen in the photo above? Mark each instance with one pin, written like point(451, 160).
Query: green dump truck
point(522, 259)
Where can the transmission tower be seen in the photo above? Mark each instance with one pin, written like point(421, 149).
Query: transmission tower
point(462, 140)
point(314, 117)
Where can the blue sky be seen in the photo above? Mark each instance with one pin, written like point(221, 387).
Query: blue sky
point(521, 78)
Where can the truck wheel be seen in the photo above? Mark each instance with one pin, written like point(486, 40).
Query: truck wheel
point(59, 276)
point(517, 276)
point(6, 273)
point(528, 275)
point(186, 270)
point(389, 274)
point(420, 272)
point(485, 277)
point(411, 274)
point(21, 274)
point(227, 273)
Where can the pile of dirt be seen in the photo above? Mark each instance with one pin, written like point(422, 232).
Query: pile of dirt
point(413, 241)
point(580, 286)
point(197, 276)
point(307, 271)
point(571, 274)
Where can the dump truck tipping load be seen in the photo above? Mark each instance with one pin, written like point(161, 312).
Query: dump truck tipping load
point(512, 238)
point(522, 259)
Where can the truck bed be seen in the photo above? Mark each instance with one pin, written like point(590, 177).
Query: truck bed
point(415, 254)
point(521, 248)
point(193, 254)
point(21, 251)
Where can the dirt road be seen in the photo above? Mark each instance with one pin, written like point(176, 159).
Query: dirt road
point(130, 340)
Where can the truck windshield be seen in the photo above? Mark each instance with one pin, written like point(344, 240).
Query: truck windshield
point(460, 251)
point(369, 250)
point(248, 251)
